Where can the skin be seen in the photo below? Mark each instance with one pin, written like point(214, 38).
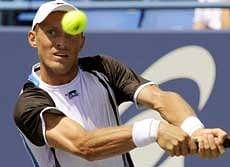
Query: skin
point(58, 55)
point(175, 109)
point(57, 51)
point(199, 26)
point(224, 19)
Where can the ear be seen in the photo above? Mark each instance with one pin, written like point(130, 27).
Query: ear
point(32, 39)
point(82, 41)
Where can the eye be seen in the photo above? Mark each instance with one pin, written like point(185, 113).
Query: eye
point(51, 32)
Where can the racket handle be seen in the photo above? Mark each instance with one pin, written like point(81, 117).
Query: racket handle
point(226, 143)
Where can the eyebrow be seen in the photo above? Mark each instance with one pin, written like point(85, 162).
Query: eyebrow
point(48, 26)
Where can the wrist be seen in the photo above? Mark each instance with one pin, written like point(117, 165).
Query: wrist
point(191, 124)
point(145, 132)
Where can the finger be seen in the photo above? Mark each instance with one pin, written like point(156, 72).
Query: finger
point(177, 151)
point(220, 146)
point(219, 133)
point(184, 147)
point(170, 150)
point(193, 146)
point(201, 150)
point(207, 149)
point(213, 148)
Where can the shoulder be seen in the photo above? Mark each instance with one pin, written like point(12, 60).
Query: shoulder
point(27, 112)
point(31, 98)
point(30, 90)
point(101, 63)
point(94, 61)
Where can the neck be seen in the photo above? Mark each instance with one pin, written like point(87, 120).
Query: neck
point(53, 78)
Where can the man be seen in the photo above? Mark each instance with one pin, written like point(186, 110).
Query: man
point(67, 111)
point(213, 19)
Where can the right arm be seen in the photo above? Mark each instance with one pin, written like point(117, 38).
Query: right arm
point(42, 123)
point(68, 135)
point(106, 142)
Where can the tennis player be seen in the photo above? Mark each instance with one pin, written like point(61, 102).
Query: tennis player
point(67, 110)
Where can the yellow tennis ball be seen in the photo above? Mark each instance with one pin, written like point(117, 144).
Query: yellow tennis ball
point(74, 22)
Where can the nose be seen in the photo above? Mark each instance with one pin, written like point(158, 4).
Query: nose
point(62, 41)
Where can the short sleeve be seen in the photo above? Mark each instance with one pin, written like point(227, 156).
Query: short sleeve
point(30, 105)
point(123, 80)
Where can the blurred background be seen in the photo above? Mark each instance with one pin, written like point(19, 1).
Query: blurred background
point(131, 14)
point(182, 45)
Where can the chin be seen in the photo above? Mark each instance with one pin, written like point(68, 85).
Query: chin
point(61, 69)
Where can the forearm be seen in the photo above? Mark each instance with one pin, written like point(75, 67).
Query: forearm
point(106, 142)
point(174, 108)
point(171, 106)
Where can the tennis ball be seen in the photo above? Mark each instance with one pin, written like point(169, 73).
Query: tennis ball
point(74, 22)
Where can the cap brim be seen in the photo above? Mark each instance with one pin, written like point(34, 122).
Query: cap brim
point(43, 12)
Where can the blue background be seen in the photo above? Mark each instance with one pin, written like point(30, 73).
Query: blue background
point(136, 49)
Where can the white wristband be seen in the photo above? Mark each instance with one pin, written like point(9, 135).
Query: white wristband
point(190, 124)
point(145, 132)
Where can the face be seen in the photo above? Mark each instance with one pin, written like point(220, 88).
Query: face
point(58, 52)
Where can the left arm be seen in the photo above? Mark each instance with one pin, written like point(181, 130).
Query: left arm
point(171, 106)
point(125, 82)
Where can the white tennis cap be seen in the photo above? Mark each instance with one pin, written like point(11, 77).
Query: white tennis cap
point(46, 8)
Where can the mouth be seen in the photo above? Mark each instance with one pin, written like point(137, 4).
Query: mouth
point(61, 55)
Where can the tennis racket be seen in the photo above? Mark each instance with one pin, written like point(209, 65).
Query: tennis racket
point(226, 143)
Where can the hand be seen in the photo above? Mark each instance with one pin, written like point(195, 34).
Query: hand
point(210, 142)
point(174, 140)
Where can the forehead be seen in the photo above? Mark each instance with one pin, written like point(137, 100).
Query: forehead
point(53, 18)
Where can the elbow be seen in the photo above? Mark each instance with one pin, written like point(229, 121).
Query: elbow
point(83, 150)
point(88, 155)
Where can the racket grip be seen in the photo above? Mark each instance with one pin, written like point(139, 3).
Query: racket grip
point(226, 143)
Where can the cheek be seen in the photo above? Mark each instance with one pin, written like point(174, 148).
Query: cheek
point(74, 46)
point(44, 45)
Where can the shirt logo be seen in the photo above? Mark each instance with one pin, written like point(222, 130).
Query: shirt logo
point(72, 94)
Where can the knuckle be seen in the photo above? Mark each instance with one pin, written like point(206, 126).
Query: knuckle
point(218, 129)
point(206, 147)
point(182, 138)
point(169, 147)
point(213, 149)
point(175, 143)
